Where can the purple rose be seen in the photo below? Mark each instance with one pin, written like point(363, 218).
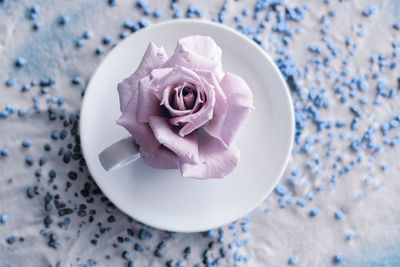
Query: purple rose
point(184, 111)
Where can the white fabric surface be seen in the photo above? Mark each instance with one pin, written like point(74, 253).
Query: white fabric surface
point(276, 235)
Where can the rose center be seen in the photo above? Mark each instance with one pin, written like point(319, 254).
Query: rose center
point(183, 97)
point(189, 97)
point(186, 91)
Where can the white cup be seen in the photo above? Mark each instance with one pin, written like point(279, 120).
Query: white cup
point(119, 154)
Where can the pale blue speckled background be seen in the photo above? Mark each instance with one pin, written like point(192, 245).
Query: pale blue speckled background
point(275, 236)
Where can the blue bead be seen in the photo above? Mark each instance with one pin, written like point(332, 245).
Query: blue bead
point(3, 218)
point(147, 11)
point(141, 3)
point(35, 9)
point(26, 143)
point(301, 203)
point(76, 80)
point(87, 35)
point(123, 34)
point(44, 90)
point(32, 16)
point(4, 114)
point(176, 14)
point(30, 192)
point(314, 212)
point(47, 220)
point(4, 152)
point(46, 81)
point(143, 23)
point(292, 260)
point(64, 19)
point(20, 62)
point(53, 237)
point(351, 236)
point(106, 40)
point(356, 110)
point(126, 255)
point(157, 253)
point(25, 88)
point(48, 206)
point(143, 234)
point(52, 174)
point(157, 13)
point(11, 240)
point(99, 51)
point(80, 42)
point(55, 135)
point(338, 258)
point(47, 147)
point(11, 81)
point(37, 25)
point(385, 166)
point(238, 18)
point(339, 214)
point(369, 11)
point(314, 48)
point(209, 233)
point(138, 248)
point(29, 160)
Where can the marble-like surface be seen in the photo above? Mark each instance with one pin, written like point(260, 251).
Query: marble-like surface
point(270, 235)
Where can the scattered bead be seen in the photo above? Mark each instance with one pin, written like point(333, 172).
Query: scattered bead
point(29, 161)
point(338, 258)
point(64, 19)
point(339, 214)
point(26, 143)
point(292, 260)
point(3, 218)
point(314, 212)
point(20, 62)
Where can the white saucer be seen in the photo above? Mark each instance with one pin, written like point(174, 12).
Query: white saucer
point(162, 198)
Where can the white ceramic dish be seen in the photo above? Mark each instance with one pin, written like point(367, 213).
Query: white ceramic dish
point(162, 198)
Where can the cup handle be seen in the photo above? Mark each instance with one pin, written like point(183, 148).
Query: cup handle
point(119, 154)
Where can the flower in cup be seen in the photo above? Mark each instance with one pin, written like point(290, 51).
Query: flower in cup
point(184, 111)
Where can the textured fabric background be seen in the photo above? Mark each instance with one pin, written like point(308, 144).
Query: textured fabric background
point(276, 231)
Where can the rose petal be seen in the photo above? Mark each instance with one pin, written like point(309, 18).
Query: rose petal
point(161, 158)
point(177, 102)
point(148, 104)
point(239, 103)
point(162, 78)
point(215, 159)
point(157, 74)
point(197, 52)
point(140, 131)
point(154, 57)
point(220, 97)
point(185, 147)
point(198, 104)
point(198, 119)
